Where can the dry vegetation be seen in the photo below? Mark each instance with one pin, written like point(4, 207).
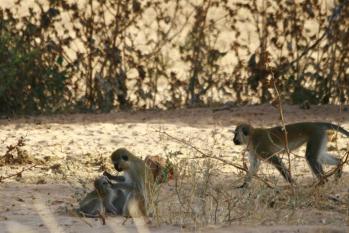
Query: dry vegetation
point(63, 154)
point(99, 56)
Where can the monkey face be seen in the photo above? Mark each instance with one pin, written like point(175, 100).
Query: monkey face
point(120, 159)
point(241, 134)
point(102, 184)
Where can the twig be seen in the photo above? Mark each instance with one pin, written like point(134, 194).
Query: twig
point(330, 173)
point(20, 142)
point(17, 173)
point(102, 217)
point(282, 118)
point(204, 155)
point(82, 217)
point(101, 214)
point(230, 220)
point(182, 204)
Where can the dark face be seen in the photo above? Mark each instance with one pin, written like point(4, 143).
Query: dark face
point(120, 159)
point(236, 139)
point(241, 134)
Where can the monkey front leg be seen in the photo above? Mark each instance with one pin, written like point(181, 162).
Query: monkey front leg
point(252, 170)
point(277, 162)
point(124, 186)
point(112, 177)
point(109, 206)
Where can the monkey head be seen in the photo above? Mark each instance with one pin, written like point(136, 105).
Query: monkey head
point(102, 185)
point(121, 159)
point(241, 134)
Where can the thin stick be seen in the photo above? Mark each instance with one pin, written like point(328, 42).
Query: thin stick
point(330, 173)
point(102, 217)
point(17, 173)
point(204, 155)
point(81, 217)
point(281, 112)
point(101, 214)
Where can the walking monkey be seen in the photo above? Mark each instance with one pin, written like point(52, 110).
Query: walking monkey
point(266, 143)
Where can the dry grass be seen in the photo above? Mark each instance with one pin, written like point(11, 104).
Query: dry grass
point(202, 195)
point(207, 166)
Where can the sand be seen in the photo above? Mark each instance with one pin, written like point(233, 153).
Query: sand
point(69, 151)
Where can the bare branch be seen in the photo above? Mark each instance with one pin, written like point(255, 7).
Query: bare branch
point(205, 155)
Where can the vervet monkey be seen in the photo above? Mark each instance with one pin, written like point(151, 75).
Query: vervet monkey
point(112, 197)
point(138, 181)
point(266, 143)
point(91, 206)
point(105, 197)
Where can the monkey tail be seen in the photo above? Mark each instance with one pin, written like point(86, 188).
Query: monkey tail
point(337, 128)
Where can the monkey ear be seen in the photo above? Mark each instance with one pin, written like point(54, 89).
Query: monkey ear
point(245, 131)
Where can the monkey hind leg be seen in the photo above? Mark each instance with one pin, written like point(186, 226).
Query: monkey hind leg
point(119, 203)
point(329, 159)
point(315, 147)
point(135, 206)
point(91, 206)
point(277, 162)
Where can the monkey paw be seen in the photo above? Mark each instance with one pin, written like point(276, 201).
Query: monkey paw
point(244, 185)
point(107, 174)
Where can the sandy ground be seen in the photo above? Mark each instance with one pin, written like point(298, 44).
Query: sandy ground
point(71, 150)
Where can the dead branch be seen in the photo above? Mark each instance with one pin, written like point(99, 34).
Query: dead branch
point(333, 171)
point(102, 217)
point(282, 118)
point(7, 156)
point(81, 217)
point(204, 155)
point(18, 173)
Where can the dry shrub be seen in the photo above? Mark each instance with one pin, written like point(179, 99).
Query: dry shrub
point(16, 155)
point(162, 169)
point(101, 55)
point(202, 193)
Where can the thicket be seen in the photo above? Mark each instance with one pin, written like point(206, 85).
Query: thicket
point(89, 55)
